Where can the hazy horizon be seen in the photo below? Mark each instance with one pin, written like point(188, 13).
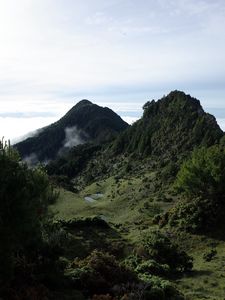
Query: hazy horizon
point(128, 114)
point(117, 53)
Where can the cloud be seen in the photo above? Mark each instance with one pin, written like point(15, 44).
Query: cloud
point(31, 159)
point(111, 51)
point(129, 120)
point(16, 129)
point(99, 18)
point(49, 46)
point(25, 115)
point(221, 123)
point(74, 137)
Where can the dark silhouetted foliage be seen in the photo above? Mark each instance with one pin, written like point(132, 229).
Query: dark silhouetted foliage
point(24, 198)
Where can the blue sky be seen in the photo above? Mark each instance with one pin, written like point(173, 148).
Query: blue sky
point(116, 53)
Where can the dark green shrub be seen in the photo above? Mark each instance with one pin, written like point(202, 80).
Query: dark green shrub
point(204, 174)
point(156, 288)
point(142, 266)
point(159, 247)
point(201, 180)
point(198, 215)
point(99, 272)
point(153, 268)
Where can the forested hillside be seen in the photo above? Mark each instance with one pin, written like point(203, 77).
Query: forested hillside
point(85, 122)
point(170, 127)
point(137, 216)
point(166, 134)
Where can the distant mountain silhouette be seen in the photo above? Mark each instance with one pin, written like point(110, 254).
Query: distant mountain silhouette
point(85, 122)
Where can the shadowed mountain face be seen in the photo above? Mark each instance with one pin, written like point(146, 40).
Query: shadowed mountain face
point(168, 131)
point(172, 126)
point(85, 122)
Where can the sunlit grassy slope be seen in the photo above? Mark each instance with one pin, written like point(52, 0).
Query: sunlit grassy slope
point(128, 203)
point(207, 281)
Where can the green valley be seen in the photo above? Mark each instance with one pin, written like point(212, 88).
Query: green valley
point(138, 215)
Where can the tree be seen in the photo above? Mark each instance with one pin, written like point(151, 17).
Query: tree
point(160, 248)
point(204, 174)
point(24, 197)
point(148, 104)
point(201, 179)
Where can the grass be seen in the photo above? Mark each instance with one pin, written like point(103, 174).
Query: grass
point(85, 239)
point(68, 205)
point(123, 201)
point(206, 281)
point(128, 203)
point(124, 206)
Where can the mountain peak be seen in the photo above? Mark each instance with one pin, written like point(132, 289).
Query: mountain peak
point(83, 102)
point(84, 122)
point(174, 124)
point(177, 95)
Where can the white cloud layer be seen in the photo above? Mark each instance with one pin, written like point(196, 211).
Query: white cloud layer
point(16, 129)
point(129, 120)
point(221, 122)
point(118, 52)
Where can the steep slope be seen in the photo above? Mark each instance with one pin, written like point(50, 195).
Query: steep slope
point(166, 134)
point(170, 127)
point(129, 184)
point(85, 122)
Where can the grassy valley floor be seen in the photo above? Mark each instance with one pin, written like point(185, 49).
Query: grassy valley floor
point(130, 211)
